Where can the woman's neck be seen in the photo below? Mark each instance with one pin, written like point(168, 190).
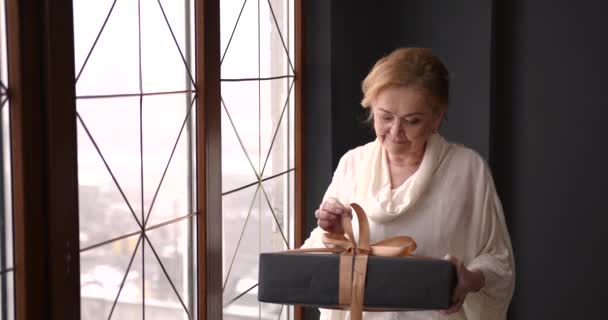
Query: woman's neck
point(409, 159)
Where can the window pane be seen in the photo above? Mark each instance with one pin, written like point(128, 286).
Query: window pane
point(241, 104)
point(112, 66)
point(130, 302)
point(257, 147)
point(101, 278)
point(166, 157)
point(274, 227)
point(167, 281)
point(7, 302)
point(238, 208)
point(104, 214)
point(242, 276)
point(235, 63)
point(157, 40)
point(274, 26)
point(136, 167)
point(6, 295)
point(274, 125)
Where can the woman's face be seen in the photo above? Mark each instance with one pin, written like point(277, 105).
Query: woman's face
point(403, 119)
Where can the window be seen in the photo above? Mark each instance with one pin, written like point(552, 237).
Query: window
point(257, 71)
point(135, 103)
point(146, 127)
point(6, 212)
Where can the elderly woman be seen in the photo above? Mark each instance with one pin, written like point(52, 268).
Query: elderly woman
point(411, 181)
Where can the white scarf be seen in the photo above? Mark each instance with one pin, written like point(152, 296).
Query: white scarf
point(389, 203)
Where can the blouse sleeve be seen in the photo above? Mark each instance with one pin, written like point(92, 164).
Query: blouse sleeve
point(495, 257)
point(333, 191)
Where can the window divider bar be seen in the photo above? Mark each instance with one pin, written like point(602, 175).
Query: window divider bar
point(128, 95)
point(257, 79)
point(5, 271)
point(134, 233)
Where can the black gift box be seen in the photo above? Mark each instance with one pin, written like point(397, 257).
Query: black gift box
point(392, 283)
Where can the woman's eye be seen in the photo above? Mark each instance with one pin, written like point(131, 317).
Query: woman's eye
point(413, 121)
point(387, 119)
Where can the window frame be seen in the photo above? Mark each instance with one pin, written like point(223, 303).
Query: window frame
point(43, 159)
point(40, 41)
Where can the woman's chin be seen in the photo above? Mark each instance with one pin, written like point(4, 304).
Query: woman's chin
point(397, 146)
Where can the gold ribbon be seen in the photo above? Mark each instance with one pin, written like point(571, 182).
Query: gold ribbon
point(353, 258)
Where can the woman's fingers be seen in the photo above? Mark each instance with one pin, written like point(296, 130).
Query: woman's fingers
point(334, 206)
point(328, 221)
point(460, 291)
point(329, 215)
point(455, 307)
point(322, 214)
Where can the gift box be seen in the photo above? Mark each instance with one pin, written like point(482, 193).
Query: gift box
point(380, 277)
point(392, 283)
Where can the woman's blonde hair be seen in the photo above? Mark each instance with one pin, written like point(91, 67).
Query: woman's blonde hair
point(410, 67)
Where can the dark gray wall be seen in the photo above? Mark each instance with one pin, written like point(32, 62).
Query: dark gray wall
point(317, 103)
point(550, 153)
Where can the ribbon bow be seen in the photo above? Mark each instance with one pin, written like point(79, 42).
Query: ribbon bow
point(353, 258)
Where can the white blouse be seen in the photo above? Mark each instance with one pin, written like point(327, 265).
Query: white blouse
point(449, 205)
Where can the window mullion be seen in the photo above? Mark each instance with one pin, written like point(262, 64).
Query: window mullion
point(208, 137)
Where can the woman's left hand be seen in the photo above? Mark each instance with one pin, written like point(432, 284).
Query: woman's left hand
point(468, 281)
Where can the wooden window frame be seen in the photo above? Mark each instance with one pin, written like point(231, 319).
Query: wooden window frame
point(300, 219)
point(43, 148)
point(40, 42)
point(209, 159)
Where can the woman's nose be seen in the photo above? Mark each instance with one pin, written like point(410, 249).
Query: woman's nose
point(395, 127)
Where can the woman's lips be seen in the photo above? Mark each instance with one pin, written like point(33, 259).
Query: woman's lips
point(397, 141)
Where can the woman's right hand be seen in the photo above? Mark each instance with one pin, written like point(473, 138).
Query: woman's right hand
point(329, 215)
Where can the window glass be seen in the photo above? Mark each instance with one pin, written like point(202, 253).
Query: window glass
point(135, 106)
point(7, 302)
point(257, 147)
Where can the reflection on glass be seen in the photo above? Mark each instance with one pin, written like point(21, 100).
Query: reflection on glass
point(135, 158)
point(257, 147)
point(7, 303)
